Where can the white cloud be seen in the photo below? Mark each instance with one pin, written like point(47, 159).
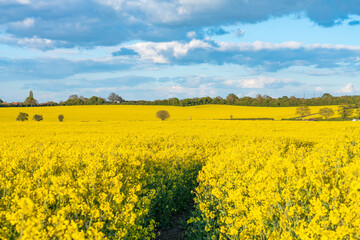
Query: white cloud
point(319, 89)
point(292, 45)
point(155, 20)
point(24, 2)
point(29, 22)
point(26, 23)
point(258, 82)
point(348, 88)
point(161, 52)
point(191, 34)
point(34, 42)
point(116, 4)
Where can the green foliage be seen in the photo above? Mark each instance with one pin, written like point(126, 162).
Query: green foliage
point(326, 95)
point(162, 114)
point(231, 98)
point(37, 117)
point(326, 112)
point(114, 98)
point(61, 118)
point(303, 111)
point(1, 101)
point(345, 111)
point(30, 100)
point(76, 100)
point(22, 117)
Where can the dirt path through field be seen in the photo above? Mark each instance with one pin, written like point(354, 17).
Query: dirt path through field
point(177, 230)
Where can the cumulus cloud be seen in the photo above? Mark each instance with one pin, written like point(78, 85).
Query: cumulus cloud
point(26, 23)
point(88, 23)
point(165, 51)
point(348, 88)
point(260, 82)
point(191, 34)
point(263, 55)
point(34, 42)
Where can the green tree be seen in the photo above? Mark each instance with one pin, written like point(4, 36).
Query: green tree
point(61, 118)
point(1, 101)
point(231, 98)
point(114, 98)
point(96, 100)
point(326, 95)
point(345, 111)
point(326, 112)
point(303, 111)
point(22, 117)
point(174, 101)
point(30, 100)
point(37, 117)
point(162, 114)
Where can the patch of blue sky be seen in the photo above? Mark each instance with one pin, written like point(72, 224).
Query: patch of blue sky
point(294, 28)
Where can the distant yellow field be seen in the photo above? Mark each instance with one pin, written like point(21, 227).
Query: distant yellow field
point(147, 113)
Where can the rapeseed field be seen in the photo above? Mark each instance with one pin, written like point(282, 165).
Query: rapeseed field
point(117, 172)
point(108, 113)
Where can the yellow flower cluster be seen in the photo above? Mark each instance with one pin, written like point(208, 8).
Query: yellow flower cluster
point(97, 180)
point(284, 187)
point(122, 180)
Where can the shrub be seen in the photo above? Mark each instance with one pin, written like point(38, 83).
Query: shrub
point(162, 114)
point(61, 118)
point(303, 111)
point(22, 117)
point(326, 112)
point(37, 117)
point(345, 111)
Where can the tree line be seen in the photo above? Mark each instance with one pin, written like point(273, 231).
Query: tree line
point(348, 111)
point(231, 99)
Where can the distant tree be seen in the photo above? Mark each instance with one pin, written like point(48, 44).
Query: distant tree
point(231, 98)
point(22, 117)
point(37, 117)
point(345, 111)
point(162, 114)
point(96, 100)
point(206, 100)
point(73, 97)
point(30, 100)
point(1, 101)
point(303, 111)
point(61, 118)
point(174, 101)
point(218, 100)
point(326, 95)
point(114, 98)
point(326, 112)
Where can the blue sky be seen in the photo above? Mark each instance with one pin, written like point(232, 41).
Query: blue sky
point(156, 49)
